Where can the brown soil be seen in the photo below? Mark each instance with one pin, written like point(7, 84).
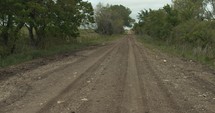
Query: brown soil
point(120, 77)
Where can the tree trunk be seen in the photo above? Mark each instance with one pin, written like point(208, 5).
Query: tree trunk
point(40, 33)
point(15, 34)
point(31, 35)
point(5, 31)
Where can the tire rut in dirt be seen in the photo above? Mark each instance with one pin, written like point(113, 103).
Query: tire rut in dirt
point(160, 100)
point(201, 84)
point(81, 59)
point(140, 78)
point(77, 85)
point(108, 89)
point(133, 98)
point(44, 84)
point(21, 92)
point(23, 89)
point(185, 100)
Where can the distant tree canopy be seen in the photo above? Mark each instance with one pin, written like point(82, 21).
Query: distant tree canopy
point(112, 19)
point(160, 23)
point(41, 18)
point(157, 23)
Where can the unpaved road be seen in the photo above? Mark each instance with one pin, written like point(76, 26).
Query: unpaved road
point(120, 77)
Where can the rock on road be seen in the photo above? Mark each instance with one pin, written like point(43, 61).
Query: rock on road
point(120, 77)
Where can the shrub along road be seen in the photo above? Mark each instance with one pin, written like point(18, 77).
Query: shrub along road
point(120, 77)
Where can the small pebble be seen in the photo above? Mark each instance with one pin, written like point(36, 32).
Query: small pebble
point(84, 99)
point(166, 80)
point(59, 102)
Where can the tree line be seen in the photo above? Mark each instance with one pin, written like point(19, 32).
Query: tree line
point(41, 19)
point(37, 23)
point(185, 23)
point(111, 19)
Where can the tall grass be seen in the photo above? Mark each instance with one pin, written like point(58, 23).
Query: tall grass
point(185, 51)
point(26, 53)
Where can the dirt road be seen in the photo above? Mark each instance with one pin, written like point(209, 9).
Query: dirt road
point(120, 77)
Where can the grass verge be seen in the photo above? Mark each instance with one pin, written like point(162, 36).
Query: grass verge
point(86, 39)
point(176, 50)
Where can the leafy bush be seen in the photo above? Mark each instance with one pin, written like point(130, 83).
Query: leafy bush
point(199, 35)
point(182, 26)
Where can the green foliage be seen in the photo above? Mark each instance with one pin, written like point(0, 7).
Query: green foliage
point(188, 9)
point(157, 23)
point(112, 19)
point(184, 25)
point(87, 38)
point(176, 50)
point(201, 36)
point(45, 21)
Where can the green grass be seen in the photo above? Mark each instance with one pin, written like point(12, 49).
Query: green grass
point(176, 50)
point(87, 38)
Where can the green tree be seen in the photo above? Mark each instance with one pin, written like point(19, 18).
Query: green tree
point(62, 17)
point(39, 19)
point(71, 14)
point(188, 9)
point(187, 24)
point(43, 19)
point(11, 14)
point(112, 19)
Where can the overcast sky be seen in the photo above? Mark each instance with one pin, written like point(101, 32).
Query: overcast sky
point(134, 5)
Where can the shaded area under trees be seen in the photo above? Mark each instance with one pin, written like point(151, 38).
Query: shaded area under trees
point(42, 21)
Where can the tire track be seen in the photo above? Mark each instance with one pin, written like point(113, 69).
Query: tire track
point(190, 84)
point(76, 61)
point(77, 84)
point(170, 97)
point(119, 78)
point(140, 73)
point(108, 89)
point(168, 104)
point(133, 98)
